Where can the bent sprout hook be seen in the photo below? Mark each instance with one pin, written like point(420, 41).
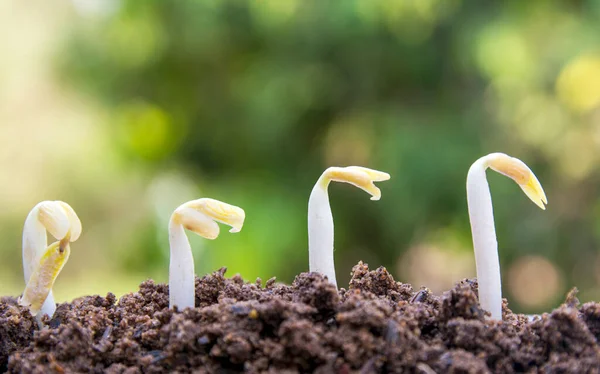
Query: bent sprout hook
point(201, 217)
point(320, 219)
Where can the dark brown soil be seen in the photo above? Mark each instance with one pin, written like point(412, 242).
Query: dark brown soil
point(376, 326)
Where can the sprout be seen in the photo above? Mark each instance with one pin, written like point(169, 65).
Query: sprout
point(481, 216)
point(198, 216)
point(42, 263)
point(320, 219)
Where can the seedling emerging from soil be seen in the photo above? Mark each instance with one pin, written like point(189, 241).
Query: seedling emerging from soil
point(201, 217)
point(320, 219)
point(42, 263)
point(481, 216)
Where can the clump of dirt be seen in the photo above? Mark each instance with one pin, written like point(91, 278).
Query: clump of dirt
point(377, 325)
point(16, 329)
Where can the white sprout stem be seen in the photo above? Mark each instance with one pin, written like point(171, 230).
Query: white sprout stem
point(34, 243)
point(181, 268)
point(320, 233)
point(481, 215)
point(49, 306)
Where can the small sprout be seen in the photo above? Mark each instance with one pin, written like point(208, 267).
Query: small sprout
point(201, 217)
point(481, 215)
point(320, 219)
point(42, 263)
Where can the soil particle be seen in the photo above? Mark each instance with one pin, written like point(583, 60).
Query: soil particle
point(377, 325)
point(591, 316)
point(379, 282)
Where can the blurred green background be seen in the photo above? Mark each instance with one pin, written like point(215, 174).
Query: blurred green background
point(126, 109)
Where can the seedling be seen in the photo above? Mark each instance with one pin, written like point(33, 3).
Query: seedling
point(481, 215)
point(198, 216)
point(42, 263)
point(320, 219)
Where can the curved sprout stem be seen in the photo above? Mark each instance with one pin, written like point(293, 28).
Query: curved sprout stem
point(320, 218)
point(481, 216)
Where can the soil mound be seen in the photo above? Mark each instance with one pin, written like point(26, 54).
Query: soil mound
point(377, 325)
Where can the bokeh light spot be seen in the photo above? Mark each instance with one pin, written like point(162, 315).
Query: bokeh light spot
point(274, 12)
point(534, 281)
point(134, 40)
point(349, 142)
point(501, 52)
point(540, 120)
point(579, 154)
point(437, 262)
point(147, 131)
point(578, 85)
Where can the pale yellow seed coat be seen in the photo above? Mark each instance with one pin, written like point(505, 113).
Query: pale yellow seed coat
point(522, 175)
point(43, 278)
point(360, 177)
